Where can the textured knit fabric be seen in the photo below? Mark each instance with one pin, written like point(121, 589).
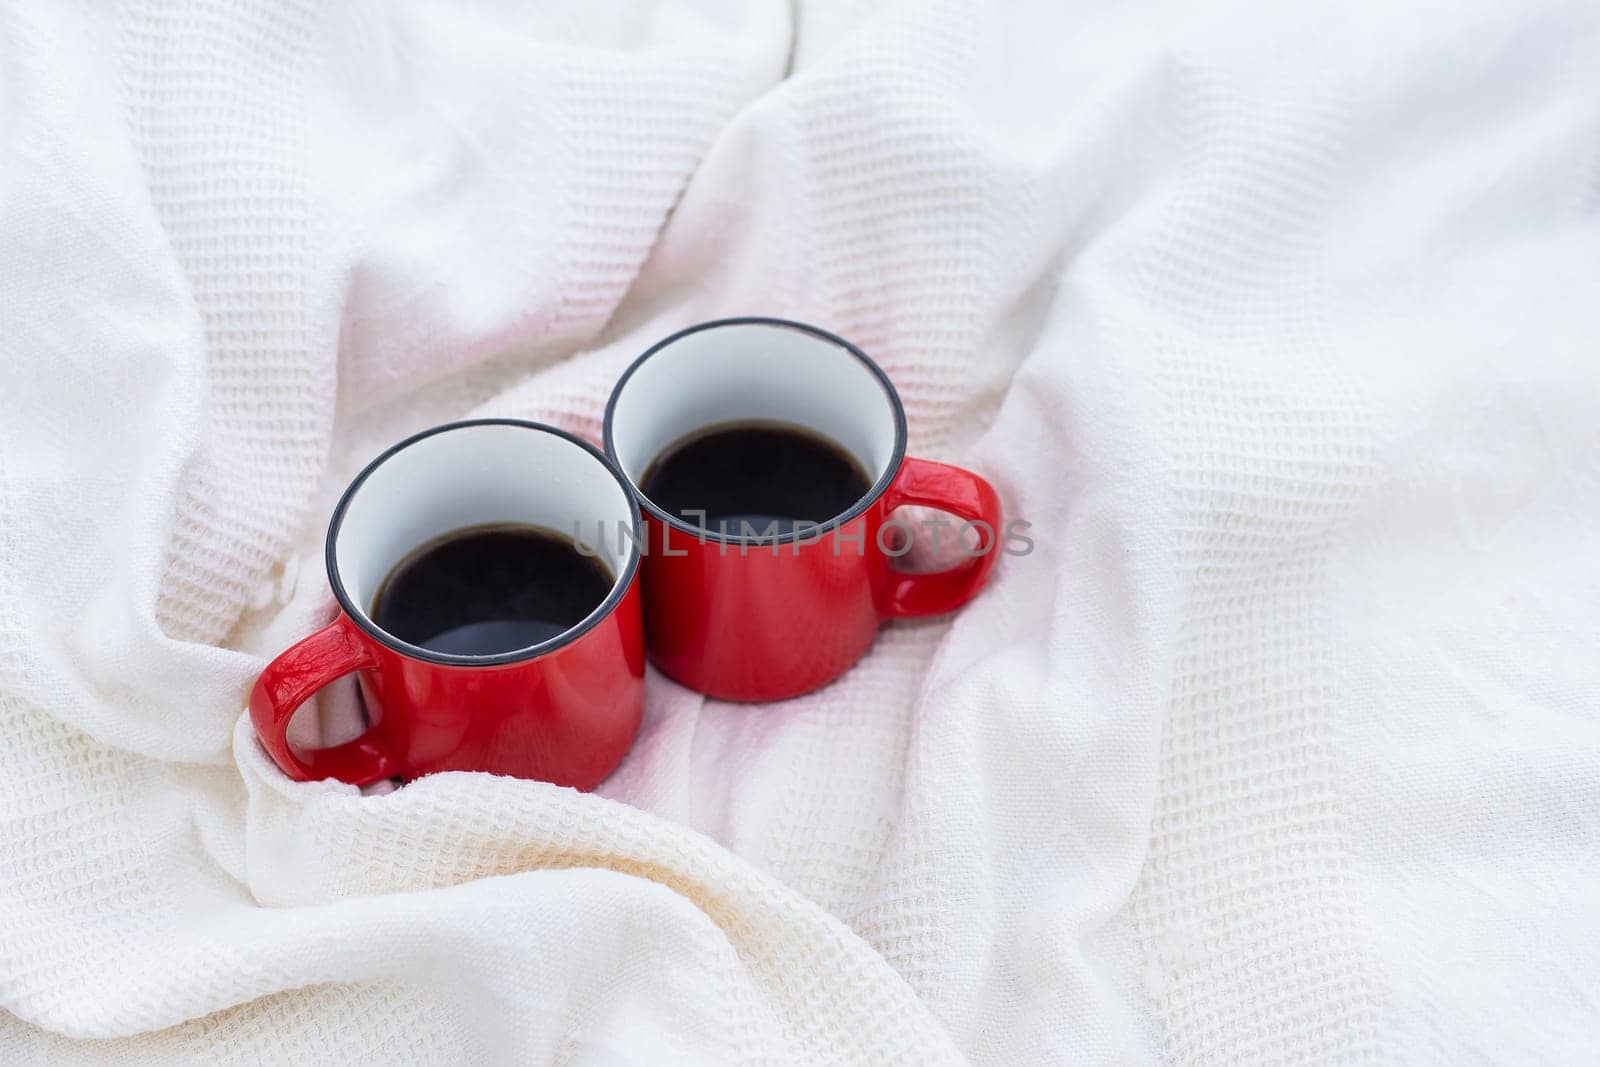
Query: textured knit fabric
point(1278, 322)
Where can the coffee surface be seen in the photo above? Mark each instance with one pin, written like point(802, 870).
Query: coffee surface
point(750, 478)
point(486, 590)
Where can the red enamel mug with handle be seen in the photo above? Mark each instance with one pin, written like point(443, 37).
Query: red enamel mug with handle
point(564, 710)
point(759, 618)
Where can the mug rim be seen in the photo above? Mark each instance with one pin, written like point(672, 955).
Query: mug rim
point(619, 588)
point(855, 511)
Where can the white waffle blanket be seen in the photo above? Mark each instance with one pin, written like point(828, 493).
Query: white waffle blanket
point(1280, 323)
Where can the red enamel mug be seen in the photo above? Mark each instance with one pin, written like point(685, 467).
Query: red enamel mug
point(564, 710)
point(767, 617)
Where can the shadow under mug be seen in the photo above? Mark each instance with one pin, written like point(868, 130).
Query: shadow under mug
point(564, 711)
point(764, 618)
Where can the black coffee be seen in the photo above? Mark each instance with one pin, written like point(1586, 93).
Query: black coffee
point(759, 473)
point(490, 589)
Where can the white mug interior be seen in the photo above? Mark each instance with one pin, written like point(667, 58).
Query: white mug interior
point(755, 370)
point(473, 474)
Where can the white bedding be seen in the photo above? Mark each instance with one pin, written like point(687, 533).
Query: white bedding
point(1278, 322)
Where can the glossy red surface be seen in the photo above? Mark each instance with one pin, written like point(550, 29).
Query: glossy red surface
point(761, 623)
point(567, 716)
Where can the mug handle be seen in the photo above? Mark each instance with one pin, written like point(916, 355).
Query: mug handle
point(964, 495)
point(290, 680)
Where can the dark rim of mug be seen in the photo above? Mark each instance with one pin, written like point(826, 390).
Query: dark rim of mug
point(619, 588)
point(856, 510)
